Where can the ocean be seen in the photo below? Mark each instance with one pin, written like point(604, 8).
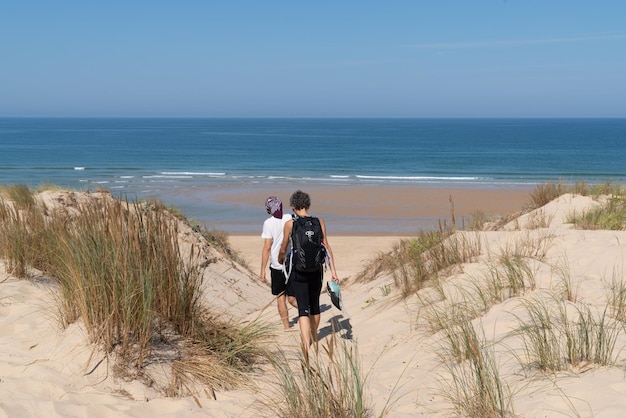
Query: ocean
point(164, 158)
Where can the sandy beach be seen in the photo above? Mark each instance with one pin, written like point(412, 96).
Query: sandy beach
point(363, 222)
point(54, 372)
point(367, 209)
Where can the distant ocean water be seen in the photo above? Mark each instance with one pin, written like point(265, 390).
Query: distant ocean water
point(158, 157)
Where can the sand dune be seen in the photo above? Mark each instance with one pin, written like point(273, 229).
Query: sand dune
point(53, 372)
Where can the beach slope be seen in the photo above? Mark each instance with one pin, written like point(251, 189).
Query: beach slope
point(574, 276)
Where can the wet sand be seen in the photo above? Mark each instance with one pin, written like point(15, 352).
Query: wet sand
point(373, 209)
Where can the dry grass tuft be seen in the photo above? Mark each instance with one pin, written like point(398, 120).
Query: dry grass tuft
point(322, 383)
point(218, 357)
point(529, 244)
point(121, 272)
point(547, 192)
point(476, 388)
point(416, 262)
point(617, 295)
point(19, 194)
point(560, 335)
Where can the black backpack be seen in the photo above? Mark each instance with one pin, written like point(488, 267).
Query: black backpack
point(306, 241)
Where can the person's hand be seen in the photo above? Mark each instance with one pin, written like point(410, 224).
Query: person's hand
point(262, 277)
point(281, 257)
point(335, 279)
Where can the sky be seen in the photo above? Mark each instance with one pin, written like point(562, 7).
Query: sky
point(341, 58)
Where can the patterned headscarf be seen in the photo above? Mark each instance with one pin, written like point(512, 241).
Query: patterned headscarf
point(274, 206)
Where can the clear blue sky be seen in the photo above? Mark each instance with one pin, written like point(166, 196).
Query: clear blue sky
point(434, 58)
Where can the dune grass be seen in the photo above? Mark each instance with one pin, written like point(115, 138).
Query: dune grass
point(22, 231)
point(219, 239)
point(528, 244)
point(475, 388)
point(616, 295)
point(15, 240)
point(541, 195)
point(123, 266)
point(608, 188)
point(326, 381)
point(512, 276)
point(19, 194)
point(609, 216)
point(503, 279)
point(219, 357)
point(546, 192)
point(121, 272)
point(560, 335)
point(418, 261)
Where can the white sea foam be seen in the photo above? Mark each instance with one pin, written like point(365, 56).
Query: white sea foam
point(171, 176)
point(417, 178)
point(192, 173)
point(79, 168)
point(318, 179)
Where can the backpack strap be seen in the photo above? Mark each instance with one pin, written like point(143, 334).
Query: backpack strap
point(288, 266)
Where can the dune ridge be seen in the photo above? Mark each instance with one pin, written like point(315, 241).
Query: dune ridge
point(47, 371)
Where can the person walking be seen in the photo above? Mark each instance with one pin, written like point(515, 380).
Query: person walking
point(272, 235)
point(305, 280)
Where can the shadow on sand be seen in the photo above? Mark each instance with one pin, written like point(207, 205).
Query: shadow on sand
point(338, 324)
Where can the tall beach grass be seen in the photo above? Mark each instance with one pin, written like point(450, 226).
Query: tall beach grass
point(326, 381)
point(475, 387)
point(121, 271)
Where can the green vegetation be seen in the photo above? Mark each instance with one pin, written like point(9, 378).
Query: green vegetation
point(611, 215)
point(475, 389)
point(562, 335)
point(416, 262)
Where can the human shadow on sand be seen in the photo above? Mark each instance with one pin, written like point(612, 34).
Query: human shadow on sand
point(339, 324)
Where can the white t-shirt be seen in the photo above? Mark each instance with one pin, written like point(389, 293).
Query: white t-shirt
point(273, 229)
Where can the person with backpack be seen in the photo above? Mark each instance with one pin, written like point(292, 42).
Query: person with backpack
point(272, 235)
point(310, 248)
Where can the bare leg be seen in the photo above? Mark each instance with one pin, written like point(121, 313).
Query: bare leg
point(315, 323)
point(281, 302)
point(305, 331)
point(292, 301)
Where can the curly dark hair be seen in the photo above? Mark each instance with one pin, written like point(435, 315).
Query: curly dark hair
point(300, 200)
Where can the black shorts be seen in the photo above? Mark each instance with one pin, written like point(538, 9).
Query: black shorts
point(278, 282)
point(306, 287)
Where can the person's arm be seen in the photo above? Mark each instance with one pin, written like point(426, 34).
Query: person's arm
point(329, 251)
point(265, 256)
point(283, 246)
